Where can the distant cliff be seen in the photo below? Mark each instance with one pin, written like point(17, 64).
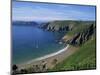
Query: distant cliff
point(25, 23)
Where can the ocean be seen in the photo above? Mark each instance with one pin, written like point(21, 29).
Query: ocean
point(31, 42)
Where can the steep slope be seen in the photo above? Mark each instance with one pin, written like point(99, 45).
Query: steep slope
point(82, 35)
point(84, 58)
point(79, 34)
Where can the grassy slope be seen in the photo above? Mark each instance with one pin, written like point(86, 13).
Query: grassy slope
point(84, 58)
point(77, 28)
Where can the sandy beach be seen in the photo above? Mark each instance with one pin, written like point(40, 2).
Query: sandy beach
point(48, 59)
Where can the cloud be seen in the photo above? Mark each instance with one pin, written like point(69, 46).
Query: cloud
point(38, 11)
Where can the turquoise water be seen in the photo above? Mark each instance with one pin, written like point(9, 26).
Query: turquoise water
point(29, 42)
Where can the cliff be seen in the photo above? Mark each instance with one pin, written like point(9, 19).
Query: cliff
point(77, 32)
point(81, 35)
point(64, 25)
point(25, 23)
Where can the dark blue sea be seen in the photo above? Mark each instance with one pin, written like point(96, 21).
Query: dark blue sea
point(31, 42)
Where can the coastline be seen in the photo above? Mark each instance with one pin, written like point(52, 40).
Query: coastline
point(59, 55)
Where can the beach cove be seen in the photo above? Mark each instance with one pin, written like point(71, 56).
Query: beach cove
point(48, 59)
point(30, 42)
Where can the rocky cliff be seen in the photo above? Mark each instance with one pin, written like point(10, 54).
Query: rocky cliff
point(81, 36)
point(77, 32)
point(66, 25)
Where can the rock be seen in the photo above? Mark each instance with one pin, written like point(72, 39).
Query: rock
point(80, 38)
point(73, 41)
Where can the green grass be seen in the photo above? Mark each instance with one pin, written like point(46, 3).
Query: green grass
point(84, 58)
point(78, 28)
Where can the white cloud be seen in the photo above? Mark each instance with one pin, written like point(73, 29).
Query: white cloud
point(49, 12)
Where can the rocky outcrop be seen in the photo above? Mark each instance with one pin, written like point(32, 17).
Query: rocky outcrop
point(58, 26)
point(82, 37)
point(60, 29)
point(66, 25)
point(44, 25)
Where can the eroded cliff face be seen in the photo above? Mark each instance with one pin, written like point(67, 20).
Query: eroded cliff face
point(82, 36)
point(63, 25)
point(77, 32)
point(59, 26)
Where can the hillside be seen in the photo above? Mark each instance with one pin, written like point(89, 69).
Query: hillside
point(79, 34)
point(82, 59)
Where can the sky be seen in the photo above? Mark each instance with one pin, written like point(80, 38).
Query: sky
point(31, 11)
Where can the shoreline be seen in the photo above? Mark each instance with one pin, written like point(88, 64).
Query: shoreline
point(47, 56)
point(61, 54)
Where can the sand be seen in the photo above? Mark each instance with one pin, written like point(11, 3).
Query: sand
point(49, 59)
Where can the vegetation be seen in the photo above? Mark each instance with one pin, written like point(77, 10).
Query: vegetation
point(81, 34)
point(84, 58)
point(14, 69)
